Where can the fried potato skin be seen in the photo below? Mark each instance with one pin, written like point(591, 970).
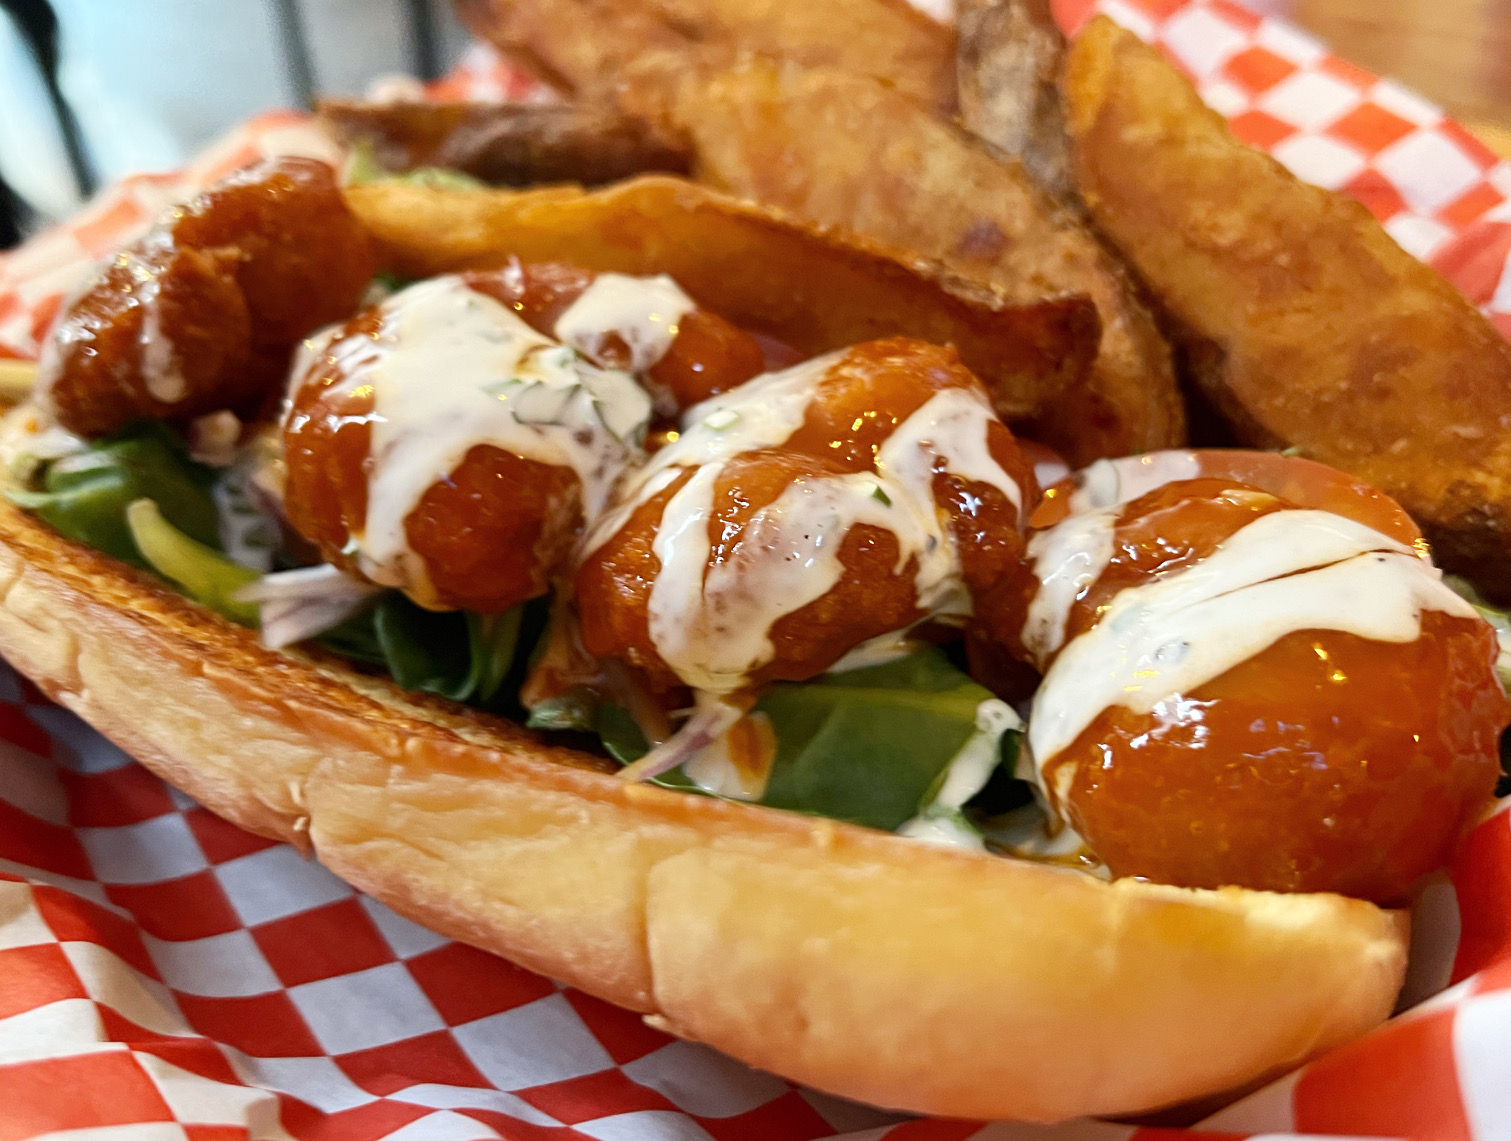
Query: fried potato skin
point(846, 151)
point(811, 290)
point(584, 46)
point(507, 144)
point(1310, 326)
point(1007, 66)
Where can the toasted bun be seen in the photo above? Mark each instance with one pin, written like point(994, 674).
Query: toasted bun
point(878, 968)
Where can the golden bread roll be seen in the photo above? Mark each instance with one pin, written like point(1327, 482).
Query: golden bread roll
point(864, 964)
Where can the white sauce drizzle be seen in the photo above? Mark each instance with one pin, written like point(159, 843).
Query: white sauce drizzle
point(712, 625)
point(1047, 473)
point(714, 768)
point(761, 413)
point(878, 651)
point(1285, 572)
point(942, 819)
point(642, 311)
point(1067, 559)
point(1108, 483)
point(452, 368)
point(28, 440)
point(157, 355)
point(951, 426)
point(162, 372)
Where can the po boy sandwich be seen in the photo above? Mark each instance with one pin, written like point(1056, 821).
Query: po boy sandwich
point(653, 591)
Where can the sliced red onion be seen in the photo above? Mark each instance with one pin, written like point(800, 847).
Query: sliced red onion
point(300, 604)
point(712, 718)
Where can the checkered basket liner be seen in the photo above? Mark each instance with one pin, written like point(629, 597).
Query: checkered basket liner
point(166, 976)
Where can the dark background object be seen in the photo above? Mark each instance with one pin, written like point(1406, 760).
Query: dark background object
point(295, 25)
point(38, 26)
point(12, 217)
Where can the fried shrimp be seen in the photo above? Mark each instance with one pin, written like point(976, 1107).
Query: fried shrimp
point(808, 512)
point(202, 312)
point(1247, 689)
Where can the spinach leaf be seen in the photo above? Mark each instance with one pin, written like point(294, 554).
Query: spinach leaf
point(453, 654)
point(620, 735)
point(424, 650)
point(356, 639)
point(867, 745)
point(85, 495)
point(492, 640)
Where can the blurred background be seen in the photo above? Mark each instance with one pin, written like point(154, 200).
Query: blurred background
point(91, 90)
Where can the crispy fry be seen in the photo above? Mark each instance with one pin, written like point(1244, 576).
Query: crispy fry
point(508, 144)
point(1007, 66)
point(585, 45)
point(16, 380)
point(807, 288)
point(1312, 327)
point(848, 151)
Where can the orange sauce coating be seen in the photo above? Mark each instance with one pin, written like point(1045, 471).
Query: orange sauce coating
point(870, 391)
point(614, 583)
point(708, 356)
point(863, 399)
point(1327, 762)
point(220, 292)
point(489, 533)
point(494, 530)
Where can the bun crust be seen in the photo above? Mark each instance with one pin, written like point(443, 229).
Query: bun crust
point(878, 968)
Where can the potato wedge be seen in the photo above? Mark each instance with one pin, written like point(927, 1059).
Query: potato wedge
point(507, 144)
point(584, 46)
point(1007, 65)
point(848, 151)
point(1311, 327)
point(808, 288)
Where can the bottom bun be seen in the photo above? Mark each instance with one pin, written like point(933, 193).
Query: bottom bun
point(877, 968)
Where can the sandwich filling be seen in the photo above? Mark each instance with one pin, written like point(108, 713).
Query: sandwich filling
point(830, 585)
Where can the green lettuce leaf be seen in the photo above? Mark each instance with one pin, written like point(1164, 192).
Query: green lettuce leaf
point(868, 746)
point(453, 654)
point(85, 495)
point(204, 574)
point(363, 168)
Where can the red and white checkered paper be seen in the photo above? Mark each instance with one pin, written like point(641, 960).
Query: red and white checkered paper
point(164, 975)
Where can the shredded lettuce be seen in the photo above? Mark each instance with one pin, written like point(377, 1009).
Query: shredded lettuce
point(203, 573)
